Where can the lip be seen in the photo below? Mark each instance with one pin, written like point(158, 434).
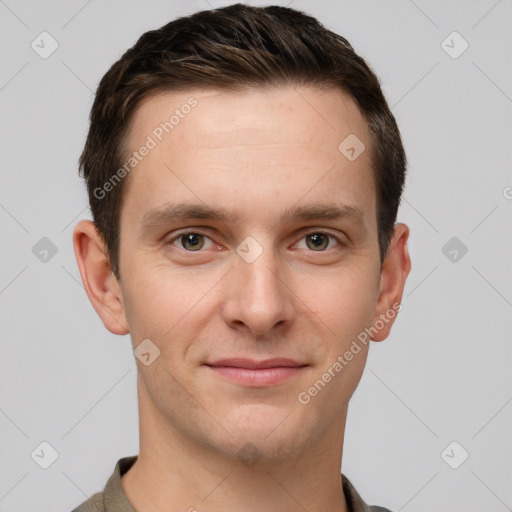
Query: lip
point(255, 365)
point(253, 373)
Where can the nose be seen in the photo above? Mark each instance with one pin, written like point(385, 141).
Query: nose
point(258, 300)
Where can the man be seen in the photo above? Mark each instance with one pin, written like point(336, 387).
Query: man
point(244, 174)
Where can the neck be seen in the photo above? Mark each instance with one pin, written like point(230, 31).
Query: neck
point(174, 473)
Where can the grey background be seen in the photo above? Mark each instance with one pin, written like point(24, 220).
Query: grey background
point(444, 375)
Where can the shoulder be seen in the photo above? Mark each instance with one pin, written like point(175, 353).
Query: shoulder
point(93, 504)
point(112, 497)
point(355, 502)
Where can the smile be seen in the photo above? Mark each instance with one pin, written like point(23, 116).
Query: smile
point(257, 374)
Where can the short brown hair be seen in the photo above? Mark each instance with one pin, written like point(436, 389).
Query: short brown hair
point(232, 48)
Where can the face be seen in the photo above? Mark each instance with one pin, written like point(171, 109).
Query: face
point(246, 234)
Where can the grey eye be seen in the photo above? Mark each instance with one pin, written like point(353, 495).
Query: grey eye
point(319, 241)
point(192, 241)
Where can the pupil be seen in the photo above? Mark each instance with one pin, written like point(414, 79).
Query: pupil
point(193, 240)
point(317, 239)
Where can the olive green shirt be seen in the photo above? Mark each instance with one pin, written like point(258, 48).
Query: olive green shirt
point(113, 499)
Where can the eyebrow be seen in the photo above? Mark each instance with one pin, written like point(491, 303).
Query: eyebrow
point(174, 211)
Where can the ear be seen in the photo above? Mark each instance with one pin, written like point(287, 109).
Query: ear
point(395, 269)
point(98, 279)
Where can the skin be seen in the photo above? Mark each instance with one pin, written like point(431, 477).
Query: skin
point(256, 153)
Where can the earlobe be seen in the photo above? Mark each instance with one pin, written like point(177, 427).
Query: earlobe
point(395, 269)
point(98, 279)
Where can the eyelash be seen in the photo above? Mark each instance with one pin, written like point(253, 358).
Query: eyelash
point(304, 235)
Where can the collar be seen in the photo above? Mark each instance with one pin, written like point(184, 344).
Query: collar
point(115, 500)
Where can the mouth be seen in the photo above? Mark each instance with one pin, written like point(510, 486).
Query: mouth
point(249, 372)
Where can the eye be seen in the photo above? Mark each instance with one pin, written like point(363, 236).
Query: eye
point(190, 241)
point(319, 241)
point(193, 241)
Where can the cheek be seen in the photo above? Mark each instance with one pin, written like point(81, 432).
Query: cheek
point(146, 300)
point(160, 304)
point(343, 309)
point(344, 302)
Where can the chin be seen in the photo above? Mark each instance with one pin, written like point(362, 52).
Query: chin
point(272, 436)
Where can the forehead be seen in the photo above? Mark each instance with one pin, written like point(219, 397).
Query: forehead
point(253, 116)
point(266, 142)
